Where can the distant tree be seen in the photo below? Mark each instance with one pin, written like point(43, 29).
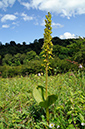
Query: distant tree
point(24, 43)
point(22, 57)
point(56, 40)
point(0, 60)
point(12, 43)
point(7, 60)
point(0, 43)
point(18, 44)
point(76, 45)
point(16, 59)
point(31, 55)
point(80, 56)
point(6, 44)
point(35, 41)
point(60, 51)
point(41, 41)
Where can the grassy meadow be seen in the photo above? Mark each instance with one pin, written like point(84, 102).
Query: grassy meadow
point(19, 110)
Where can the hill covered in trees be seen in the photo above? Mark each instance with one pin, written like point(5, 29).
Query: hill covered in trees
point(64, 52)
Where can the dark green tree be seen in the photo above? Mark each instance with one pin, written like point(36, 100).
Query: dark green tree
point(12, 43)
point(0, 43)
point(16, 59)
point(31, 55)
point(7, 60)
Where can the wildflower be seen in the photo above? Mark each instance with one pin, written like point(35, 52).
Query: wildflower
point(83, 124)
point(58, 126)
point(39, 74)
point(51, 125)
point(80, 66)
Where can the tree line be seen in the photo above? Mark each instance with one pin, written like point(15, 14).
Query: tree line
point(12, 54)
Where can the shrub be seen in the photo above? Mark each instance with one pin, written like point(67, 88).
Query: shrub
point(33, 67)
point(62, 66)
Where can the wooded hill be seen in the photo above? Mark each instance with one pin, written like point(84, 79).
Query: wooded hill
point(67, 50)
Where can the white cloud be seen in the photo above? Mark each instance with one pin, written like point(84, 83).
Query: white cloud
point(6, 3)
point(8, 17)
point(26, 4)
point(1, 4)
point(26, 17)
point(15, 23)
point(66, 8)
point(11, 2)
point(16, 13)
point(43, 23)
point(67, 35)
point(5, 26)
point(56, 25)
point(36, 22)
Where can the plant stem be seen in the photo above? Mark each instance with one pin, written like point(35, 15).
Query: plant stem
point(47, 110)
point(46, 81)
point(47, 115)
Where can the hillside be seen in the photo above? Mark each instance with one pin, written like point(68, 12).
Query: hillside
point(67, 54)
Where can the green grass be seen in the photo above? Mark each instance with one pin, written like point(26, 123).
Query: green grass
point(19, 110)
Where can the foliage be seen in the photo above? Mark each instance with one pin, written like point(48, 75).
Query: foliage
point(61, 66)
point(7, 59)
point(19, 110)
point(32, 67)
point(31, 55)
point(35, 67)
point(68, 48)
point(80, 56)
point(40, 97)
point(17, 55)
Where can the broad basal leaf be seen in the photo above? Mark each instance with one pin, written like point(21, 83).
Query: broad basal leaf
point(39, 94)
point(49, 101)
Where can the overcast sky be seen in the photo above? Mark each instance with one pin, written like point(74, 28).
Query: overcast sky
point(23, 20)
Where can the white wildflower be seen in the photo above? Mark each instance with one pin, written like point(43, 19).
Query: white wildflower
point(51, 125)
point(58, 126)
point(80, 66)
point(83, 124)
point(39, 74)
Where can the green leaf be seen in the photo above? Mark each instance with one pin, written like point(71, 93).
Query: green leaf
point(69, 112)
point(70, 120)
point(81, 117)
point(49, 101)
point(1, 126)
point(70, 127)
point(39, 94)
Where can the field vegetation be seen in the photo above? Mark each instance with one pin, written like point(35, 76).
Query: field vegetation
point(19, 110)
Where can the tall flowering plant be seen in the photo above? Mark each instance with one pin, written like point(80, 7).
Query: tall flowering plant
point(41, 93)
